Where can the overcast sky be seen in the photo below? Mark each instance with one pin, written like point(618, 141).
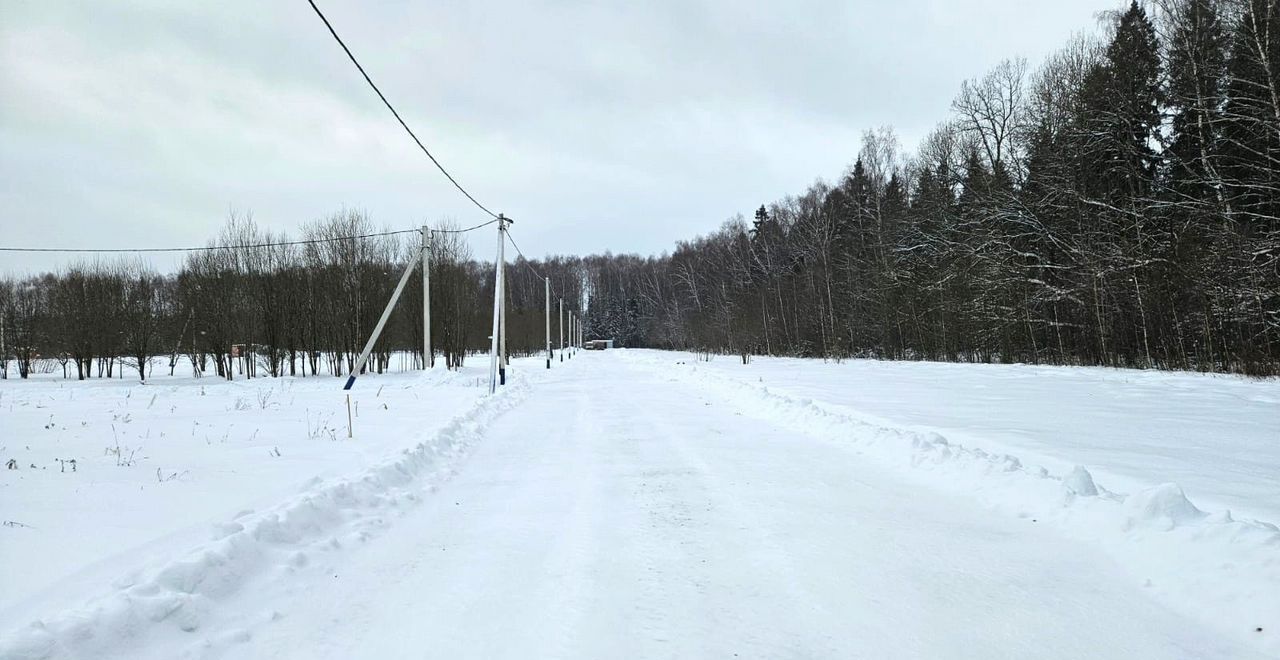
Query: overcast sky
point(599, 126)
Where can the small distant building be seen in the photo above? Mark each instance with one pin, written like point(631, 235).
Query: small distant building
point(597, 344)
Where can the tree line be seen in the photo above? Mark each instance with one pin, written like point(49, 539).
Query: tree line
point(1119, 205)
point(253, 307)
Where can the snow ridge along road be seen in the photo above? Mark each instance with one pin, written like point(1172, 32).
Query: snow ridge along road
point(1208, 565)
point(630, 506)
point(326, 516)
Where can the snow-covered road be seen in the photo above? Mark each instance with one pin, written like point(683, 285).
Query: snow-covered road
point(622, 515)
point(1216, 435)
point(611, 509)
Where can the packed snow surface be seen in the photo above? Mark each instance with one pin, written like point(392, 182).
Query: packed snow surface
point(1217, 436)
point(645, 504)
point(155, 464)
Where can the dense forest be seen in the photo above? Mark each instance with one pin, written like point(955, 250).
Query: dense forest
point(1118, 205)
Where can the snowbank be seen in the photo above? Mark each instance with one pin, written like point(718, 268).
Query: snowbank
point(1207, 565)
point(1217, 436)
point(327, 515)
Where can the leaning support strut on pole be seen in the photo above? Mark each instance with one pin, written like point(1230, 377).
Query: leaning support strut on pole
point(382, 322)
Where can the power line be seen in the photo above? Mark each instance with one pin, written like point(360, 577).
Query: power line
point(385, 102)
point(208, 247)
point(463, 231)
point(526, 259)
point(517, 247)
point(397, 114)
point(529, 264)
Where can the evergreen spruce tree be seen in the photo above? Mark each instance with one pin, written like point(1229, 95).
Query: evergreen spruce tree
point(1196, 96)
point(1127, 110)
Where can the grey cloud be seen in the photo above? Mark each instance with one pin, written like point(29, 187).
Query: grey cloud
point(621, 126)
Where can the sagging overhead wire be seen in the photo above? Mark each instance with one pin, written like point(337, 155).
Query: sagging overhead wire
point(397, 114)
point(206, 248)
point(529, 264)
point(463, 231)
point(209, 248)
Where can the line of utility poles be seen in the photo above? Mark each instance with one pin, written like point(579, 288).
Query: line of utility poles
point(499, 359)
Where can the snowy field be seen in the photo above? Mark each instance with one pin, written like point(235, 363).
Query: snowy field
point(156, 464)
point(645, 504)
point(1217, 436)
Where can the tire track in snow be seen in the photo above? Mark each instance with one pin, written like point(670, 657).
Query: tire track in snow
point(646, 524)
point(1222, 571)
point(567, 588)
point(773, 567)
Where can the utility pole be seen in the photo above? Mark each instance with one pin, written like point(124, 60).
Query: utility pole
point(562, 329)
point(546, 281)
point(428, 357)
point(571, 333)
point(494, 338)
point(506, 359)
